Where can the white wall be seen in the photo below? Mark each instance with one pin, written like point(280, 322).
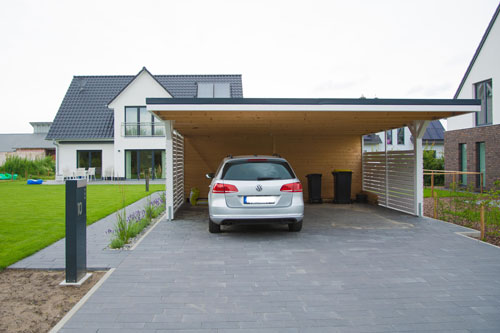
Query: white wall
point(135, 94)
point(487, 66)
point(67, 154)
point(439, 148)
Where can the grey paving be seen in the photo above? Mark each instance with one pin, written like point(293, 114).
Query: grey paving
point(351, 269)
point(99, 256)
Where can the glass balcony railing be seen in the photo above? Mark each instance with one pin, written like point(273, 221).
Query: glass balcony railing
point(143, 129)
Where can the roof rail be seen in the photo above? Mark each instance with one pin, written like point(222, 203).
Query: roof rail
point(277, 155)
point(229, 156)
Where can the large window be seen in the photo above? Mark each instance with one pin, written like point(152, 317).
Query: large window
point(462, 162)
point(139, 122)
point(484, 92)
point(90, 159)
point(401, 136)
point(480, 162)
point(140, 162)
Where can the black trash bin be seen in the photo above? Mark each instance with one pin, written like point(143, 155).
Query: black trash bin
point(314, 187)
point(342, 180)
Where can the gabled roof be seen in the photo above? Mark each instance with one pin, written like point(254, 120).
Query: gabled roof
point(84, 114)
point(144, 69)
point(371, 139)
point(478, 50)
point(11, 142)
point(434, 132)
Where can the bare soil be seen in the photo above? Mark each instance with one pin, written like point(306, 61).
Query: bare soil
point(33, 300)
point(429, 211)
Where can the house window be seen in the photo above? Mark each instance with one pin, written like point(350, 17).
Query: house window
point(139, 122)
point(401, 136)
point(480, 162)
point(140, 162)
point(462, 162)
point(484, 92)
point(90, 159)
point(214, 90)
point(389, 137)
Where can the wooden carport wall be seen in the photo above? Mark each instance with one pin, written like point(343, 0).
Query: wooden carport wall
point(316, 137)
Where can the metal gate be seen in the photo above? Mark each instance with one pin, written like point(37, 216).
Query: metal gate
point(178, 169)
point(391, 176)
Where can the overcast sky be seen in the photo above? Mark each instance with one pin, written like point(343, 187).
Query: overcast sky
point(336, 48)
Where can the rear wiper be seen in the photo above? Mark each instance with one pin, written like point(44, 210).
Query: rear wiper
point(267, 178)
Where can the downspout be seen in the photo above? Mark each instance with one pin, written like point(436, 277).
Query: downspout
point(54, 142)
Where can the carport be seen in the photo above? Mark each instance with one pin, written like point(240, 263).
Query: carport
point(314, 135)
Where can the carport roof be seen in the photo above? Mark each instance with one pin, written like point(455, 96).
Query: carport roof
point(292, 116)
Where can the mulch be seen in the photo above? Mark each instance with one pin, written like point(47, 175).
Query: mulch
point(429, 212)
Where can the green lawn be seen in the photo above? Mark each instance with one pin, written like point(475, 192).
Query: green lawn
point(32, 216)
point(444, 193)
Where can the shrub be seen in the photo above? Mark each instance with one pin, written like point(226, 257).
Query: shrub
point(116, 243)
point(21, 166)
point(431, 162)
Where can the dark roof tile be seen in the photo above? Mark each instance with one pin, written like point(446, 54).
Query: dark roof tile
point(84, 114)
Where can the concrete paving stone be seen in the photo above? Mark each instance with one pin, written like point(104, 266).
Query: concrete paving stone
point(173, 325)
point(123, 330)
point(260, 330)
point(328, 279)
point(189, 331)
point(135, 318)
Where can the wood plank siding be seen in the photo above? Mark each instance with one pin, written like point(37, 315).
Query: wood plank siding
point(307, 154)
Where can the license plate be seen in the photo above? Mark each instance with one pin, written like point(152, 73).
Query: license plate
point(259, 200)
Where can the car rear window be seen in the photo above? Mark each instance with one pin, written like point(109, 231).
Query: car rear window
point(257, 170)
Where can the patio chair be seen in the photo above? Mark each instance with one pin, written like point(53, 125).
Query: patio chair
point(67, 174)
point(109, 173)
point(81, 173)
point(91, 173)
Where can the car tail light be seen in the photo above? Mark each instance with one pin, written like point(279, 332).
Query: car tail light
point(292, 187)
point(224, 188)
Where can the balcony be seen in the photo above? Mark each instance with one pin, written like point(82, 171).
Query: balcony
point(143, 129)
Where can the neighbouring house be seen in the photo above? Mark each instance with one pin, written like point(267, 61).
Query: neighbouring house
point(103, 122)
point(401, 139)
point(472, 140)
point(27, 145)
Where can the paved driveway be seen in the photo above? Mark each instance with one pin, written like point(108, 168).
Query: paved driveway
point(351, 269)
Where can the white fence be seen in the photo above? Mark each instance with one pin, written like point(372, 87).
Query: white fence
point(178, 166)
point(391, 176)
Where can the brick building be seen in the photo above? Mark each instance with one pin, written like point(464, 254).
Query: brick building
point(472, 140)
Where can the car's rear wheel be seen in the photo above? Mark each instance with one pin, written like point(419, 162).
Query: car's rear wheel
point(295, 227)
point(213, 227)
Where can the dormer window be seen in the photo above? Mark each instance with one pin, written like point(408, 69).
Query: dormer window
point(484, 92)
point(214, 90)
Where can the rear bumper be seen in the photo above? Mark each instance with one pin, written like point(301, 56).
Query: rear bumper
point(256, 215)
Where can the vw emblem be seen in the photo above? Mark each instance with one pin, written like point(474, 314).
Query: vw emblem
point(258, 188)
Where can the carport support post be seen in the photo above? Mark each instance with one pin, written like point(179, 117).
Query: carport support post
point(169, 171)
point(417, 129)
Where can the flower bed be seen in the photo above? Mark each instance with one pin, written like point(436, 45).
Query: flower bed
point(128, 227)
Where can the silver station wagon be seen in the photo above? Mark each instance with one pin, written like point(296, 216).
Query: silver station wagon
point(255, 189)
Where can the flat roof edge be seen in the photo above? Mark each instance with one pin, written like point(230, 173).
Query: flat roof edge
point(312, 101)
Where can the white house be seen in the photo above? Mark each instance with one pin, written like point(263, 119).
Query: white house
point(401, 139)
point(471, 140)
point(103, 121)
